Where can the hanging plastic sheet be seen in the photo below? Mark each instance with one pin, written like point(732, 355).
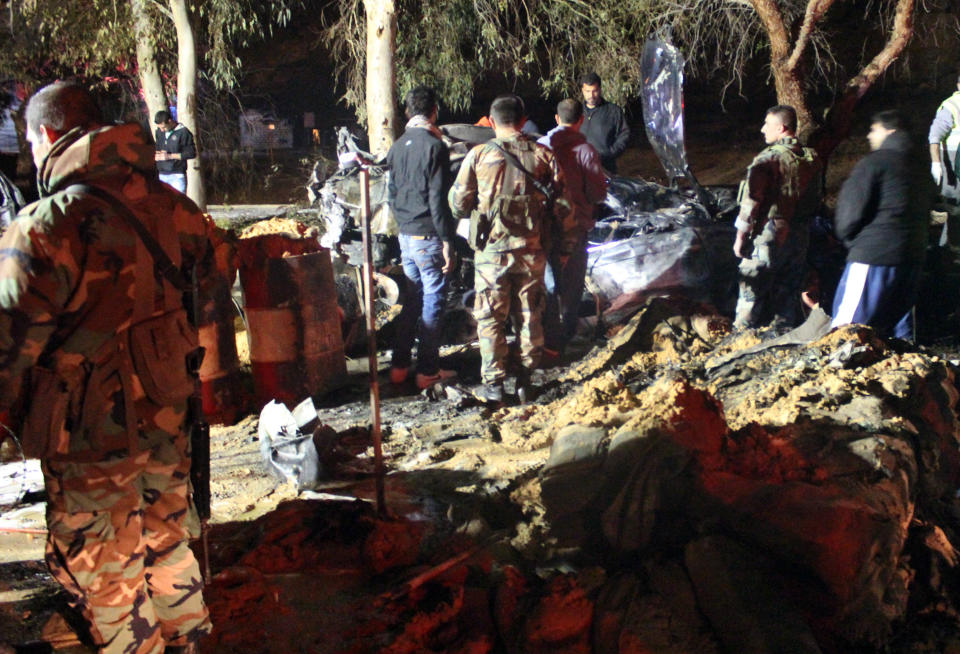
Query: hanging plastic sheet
point(662, 68)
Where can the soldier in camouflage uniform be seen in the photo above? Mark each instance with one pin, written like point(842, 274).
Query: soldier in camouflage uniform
point(778, 198)
point(77, 287)
point(512, 224)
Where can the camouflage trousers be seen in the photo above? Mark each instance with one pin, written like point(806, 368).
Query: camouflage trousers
point(119, 543)
point(505, 281)
point(771, 279)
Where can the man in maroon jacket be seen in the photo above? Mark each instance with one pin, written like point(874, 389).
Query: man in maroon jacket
point(586, 186)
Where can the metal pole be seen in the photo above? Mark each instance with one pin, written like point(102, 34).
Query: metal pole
point(371, 334)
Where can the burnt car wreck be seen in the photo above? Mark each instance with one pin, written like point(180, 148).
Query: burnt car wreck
point(649, 240)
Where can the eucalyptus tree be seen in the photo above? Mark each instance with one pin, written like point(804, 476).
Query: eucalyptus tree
point(363, 38)
point(147, 43)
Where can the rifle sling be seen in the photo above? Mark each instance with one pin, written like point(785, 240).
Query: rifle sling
point(161, 260)
point(510, 158)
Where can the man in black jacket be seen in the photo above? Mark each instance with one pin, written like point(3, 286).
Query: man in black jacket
point(174, 146)
point(603, 123)
point(882, 217)
point(419, 165)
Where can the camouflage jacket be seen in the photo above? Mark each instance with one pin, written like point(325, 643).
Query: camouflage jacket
point(782, 182)
point(68, 265)
point(503, 202)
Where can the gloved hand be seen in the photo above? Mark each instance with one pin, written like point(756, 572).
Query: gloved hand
point(936, 169)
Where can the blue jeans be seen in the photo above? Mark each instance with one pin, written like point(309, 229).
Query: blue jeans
point(426, 295)
point(176, 180)
point(564, 291)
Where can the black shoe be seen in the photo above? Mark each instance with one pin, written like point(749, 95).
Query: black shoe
point(490, 393)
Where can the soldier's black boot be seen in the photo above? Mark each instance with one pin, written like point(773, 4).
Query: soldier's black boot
point(490, 393)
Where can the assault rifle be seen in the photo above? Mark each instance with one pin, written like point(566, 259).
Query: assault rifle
point(200, 458)
point(199, 430)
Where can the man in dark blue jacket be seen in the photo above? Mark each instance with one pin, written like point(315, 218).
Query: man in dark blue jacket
point(603, 123)
point(419, 165)
point(882, 217)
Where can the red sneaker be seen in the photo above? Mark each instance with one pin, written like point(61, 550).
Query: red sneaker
point(440, 376)
point(398, 375)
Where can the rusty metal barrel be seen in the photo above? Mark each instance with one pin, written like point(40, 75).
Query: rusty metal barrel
point(293, 322)
point(221, 377)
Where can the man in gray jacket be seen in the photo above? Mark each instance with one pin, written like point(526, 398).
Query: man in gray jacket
point(944, 139)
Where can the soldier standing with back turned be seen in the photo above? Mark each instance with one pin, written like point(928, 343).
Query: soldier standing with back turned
point(503, 185)
point(95, 342)
point(586, 187)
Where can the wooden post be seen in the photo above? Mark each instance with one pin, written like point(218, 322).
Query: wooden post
point(369, 309)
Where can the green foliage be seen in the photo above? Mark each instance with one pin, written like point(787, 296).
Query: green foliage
point(50, 39)
point(456, 44)
point(345, 36)
point(44, 40)
point(438, 47)
point(226, 26)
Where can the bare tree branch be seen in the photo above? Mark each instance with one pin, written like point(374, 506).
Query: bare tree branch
point(899, 38)
point(840, 117)
point(815, 11)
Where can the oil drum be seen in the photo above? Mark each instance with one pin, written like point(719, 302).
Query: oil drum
point(293, 321)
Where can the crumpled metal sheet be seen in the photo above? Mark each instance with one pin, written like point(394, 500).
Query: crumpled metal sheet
point(288, 453)
point(339, 195)
point(659, 241)
point(340, 205)
point(656, 240)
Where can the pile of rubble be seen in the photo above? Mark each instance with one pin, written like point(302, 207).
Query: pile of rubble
point(680, 489)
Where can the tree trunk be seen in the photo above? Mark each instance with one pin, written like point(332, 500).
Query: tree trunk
point(786, 76)
point(187, 95)
point(147, 67)
point(381, 75)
